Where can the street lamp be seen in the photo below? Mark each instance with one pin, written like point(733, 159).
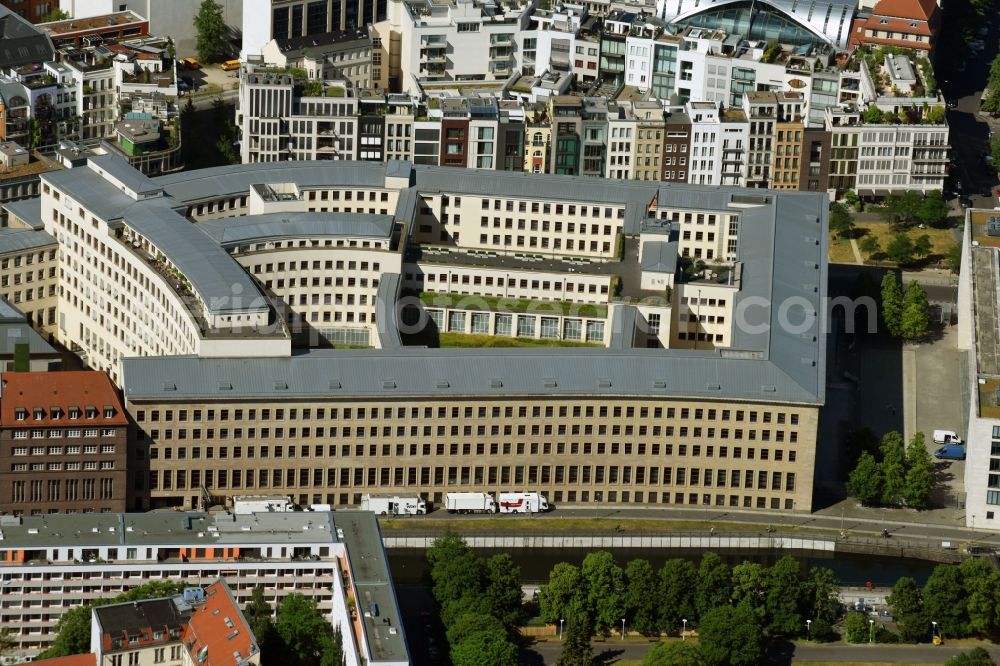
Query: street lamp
point(623, 628)
point(934, 632)
point(871, 631)
point(560, 628)
point(685, 630)
point(809, 628)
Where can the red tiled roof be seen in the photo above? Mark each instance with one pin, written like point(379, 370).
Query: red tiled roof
point(45, 390)
point(898, 25)
point(909, 9)
point(89, 659)
point(219, 627)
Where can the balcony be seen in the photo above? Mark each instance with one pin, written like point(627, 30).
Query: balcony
point(500, 40)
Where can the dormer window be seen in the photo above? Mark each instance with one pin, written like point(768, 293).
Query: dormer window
point(39, 413)
point(56, 413)
point(74, 413)
point(109, 412)
point(20, 414)
point(90, 412)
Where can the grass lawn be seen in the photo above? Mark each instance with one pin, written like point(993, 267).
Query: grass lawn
point(840, 250)
point(941, 239)
point(492, 304)
point(469, 340)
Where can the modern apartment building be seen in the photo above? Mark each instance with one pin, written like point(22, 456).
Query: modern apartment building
point(63, 439)
point(978, 325)
point(50, 564)
point(267, 20)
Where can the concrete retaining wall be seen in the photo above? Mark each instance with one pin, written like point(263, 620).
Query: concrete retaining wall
point(637, 541)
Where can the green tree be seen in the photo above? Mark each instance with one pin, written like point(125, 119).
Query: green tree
point(565, 585)
point(865, 481)
point(916, 312)
point(975, 657)
point(852, 199)
point(995, 150)
point(900, 249)
point(954, 258)
point(484, 648)
point(455, 570)
point(715, 584)
point(605, 584)
point(503, 589)
point(576, 649)
point(672, 653)
point(750, 585)
point(841, 222)
point(821, 600)
point(935, 114)
point(8, 641)
point(933, 209)
point(981, 582)
point(856, 628)
point(641, 603)
point(678, 580)
point(917, 487)
point(467, 624)
point(893, 467)
point(870, 246)
point(898, 209)
point(211, 28)
point(258, 615)
point(907, 608)
point(56, 15)
point(731, 636)
point(784, 595)
point(945, 600)
point(307, 636)
point(922, 246)
point(872, 115)
point(892, 304)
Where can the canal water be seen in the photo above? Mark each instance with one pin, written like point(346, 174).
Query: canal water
point(409, 565)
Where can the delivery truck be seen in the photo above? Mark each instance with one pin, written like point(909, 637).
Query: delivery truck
point(470, 503)
point(393, 505)
point(946, 437)
point(523, 503)
point(950, 452)
point(243, 504)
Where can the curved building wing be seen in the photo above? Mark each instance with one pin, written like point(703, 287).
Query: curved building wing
point(786, 21)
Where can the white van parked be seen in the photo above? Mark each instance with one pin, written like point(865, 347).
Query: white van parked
point(946, 437)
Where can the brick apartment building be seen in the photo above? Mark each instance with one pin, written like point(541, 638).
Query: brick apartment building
point(62, 443)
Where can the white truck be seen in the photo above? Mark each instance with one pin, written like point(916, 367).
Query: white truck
point(470, 503)
point(392, 505)
point(262, 504)
point(946, 437)
point(523, 503)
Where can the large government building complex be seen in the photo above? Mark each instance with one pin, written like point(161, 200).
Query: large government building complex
point(328, 329)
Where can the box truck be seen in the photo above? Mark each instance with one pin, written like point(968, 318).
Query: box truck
point(392, 505)
point(262, 504)
point(470, 503)
point(523, 503)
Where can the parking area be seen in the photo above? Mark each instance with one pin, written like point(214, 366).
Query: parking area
point(934, 393)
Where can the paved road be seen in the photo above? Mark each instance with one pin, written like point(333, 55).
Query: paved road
point(870, 523)
point(611, 651)
point(205, 101)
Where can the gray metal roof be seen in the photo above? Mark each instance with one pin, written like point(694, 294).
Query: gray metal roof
point(221, 282)
point(377, 606)
point(167, 528)
point(13, 333)
point(19, 240)
point(119, 169)
point(420, 373)
point(193, 186)
point(9, 313)
point(386, 322)
point(21, 43)
point(659, 257)
point(235, 230)
point(27, 210)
